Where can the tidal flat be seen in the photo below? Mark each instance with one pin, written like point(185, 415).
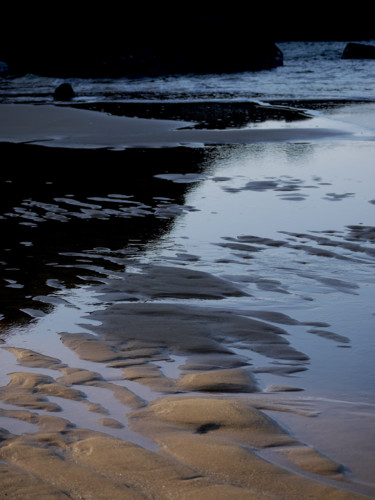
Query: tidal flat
point(187, 311)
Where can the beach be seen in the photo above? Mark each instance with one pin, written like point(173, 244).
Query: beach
point(188, 309)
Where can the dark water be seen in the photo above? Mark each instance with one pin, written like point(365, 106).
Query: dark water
point(70, 203)
point(311, 70)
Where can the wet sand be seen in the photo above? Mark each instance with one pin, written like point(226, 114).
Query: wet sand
point(66, 127)
point(153, 396)
point(207, 435)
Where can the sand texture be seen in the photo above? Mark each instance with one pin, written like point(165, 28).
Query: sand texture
point(205, 435)
point(206, 447)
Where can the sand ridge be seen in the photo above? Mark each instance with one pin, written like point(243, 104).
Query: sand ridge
point(193, 433)
point(208, 447)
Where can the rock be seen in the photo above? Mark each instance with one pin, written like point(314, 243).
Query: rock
point(358, 51)
point(150, 58)
point(3, 68)
point(64, 92)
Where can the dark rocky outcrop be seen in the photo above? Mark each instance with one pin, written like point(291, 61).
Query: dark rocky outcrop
point(158, 57)
point(64, 92)
point(133, 38)
point(358, 51)
point(143, 41)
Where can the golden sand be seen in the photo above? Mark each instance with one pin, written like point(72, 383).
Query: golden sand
point(206, 445)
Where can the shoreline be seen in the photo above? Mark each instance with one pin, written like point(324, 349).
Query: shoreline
point(202, 417)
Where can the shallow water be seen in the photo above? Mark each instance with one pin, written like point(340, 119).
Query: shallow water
point(311, 70)
point(290, 224)
point(307, 261)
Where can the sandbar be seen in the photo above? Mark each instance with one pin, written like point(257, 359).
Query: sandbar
point(59, 126)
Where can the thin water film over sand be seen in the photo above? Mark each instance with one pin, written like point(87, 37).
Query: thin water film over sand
point(192, 319)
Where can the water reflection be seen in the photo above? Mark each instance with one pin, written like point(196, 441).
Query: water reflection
point(62, 203)
point(245, 213)
point(299, 238)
